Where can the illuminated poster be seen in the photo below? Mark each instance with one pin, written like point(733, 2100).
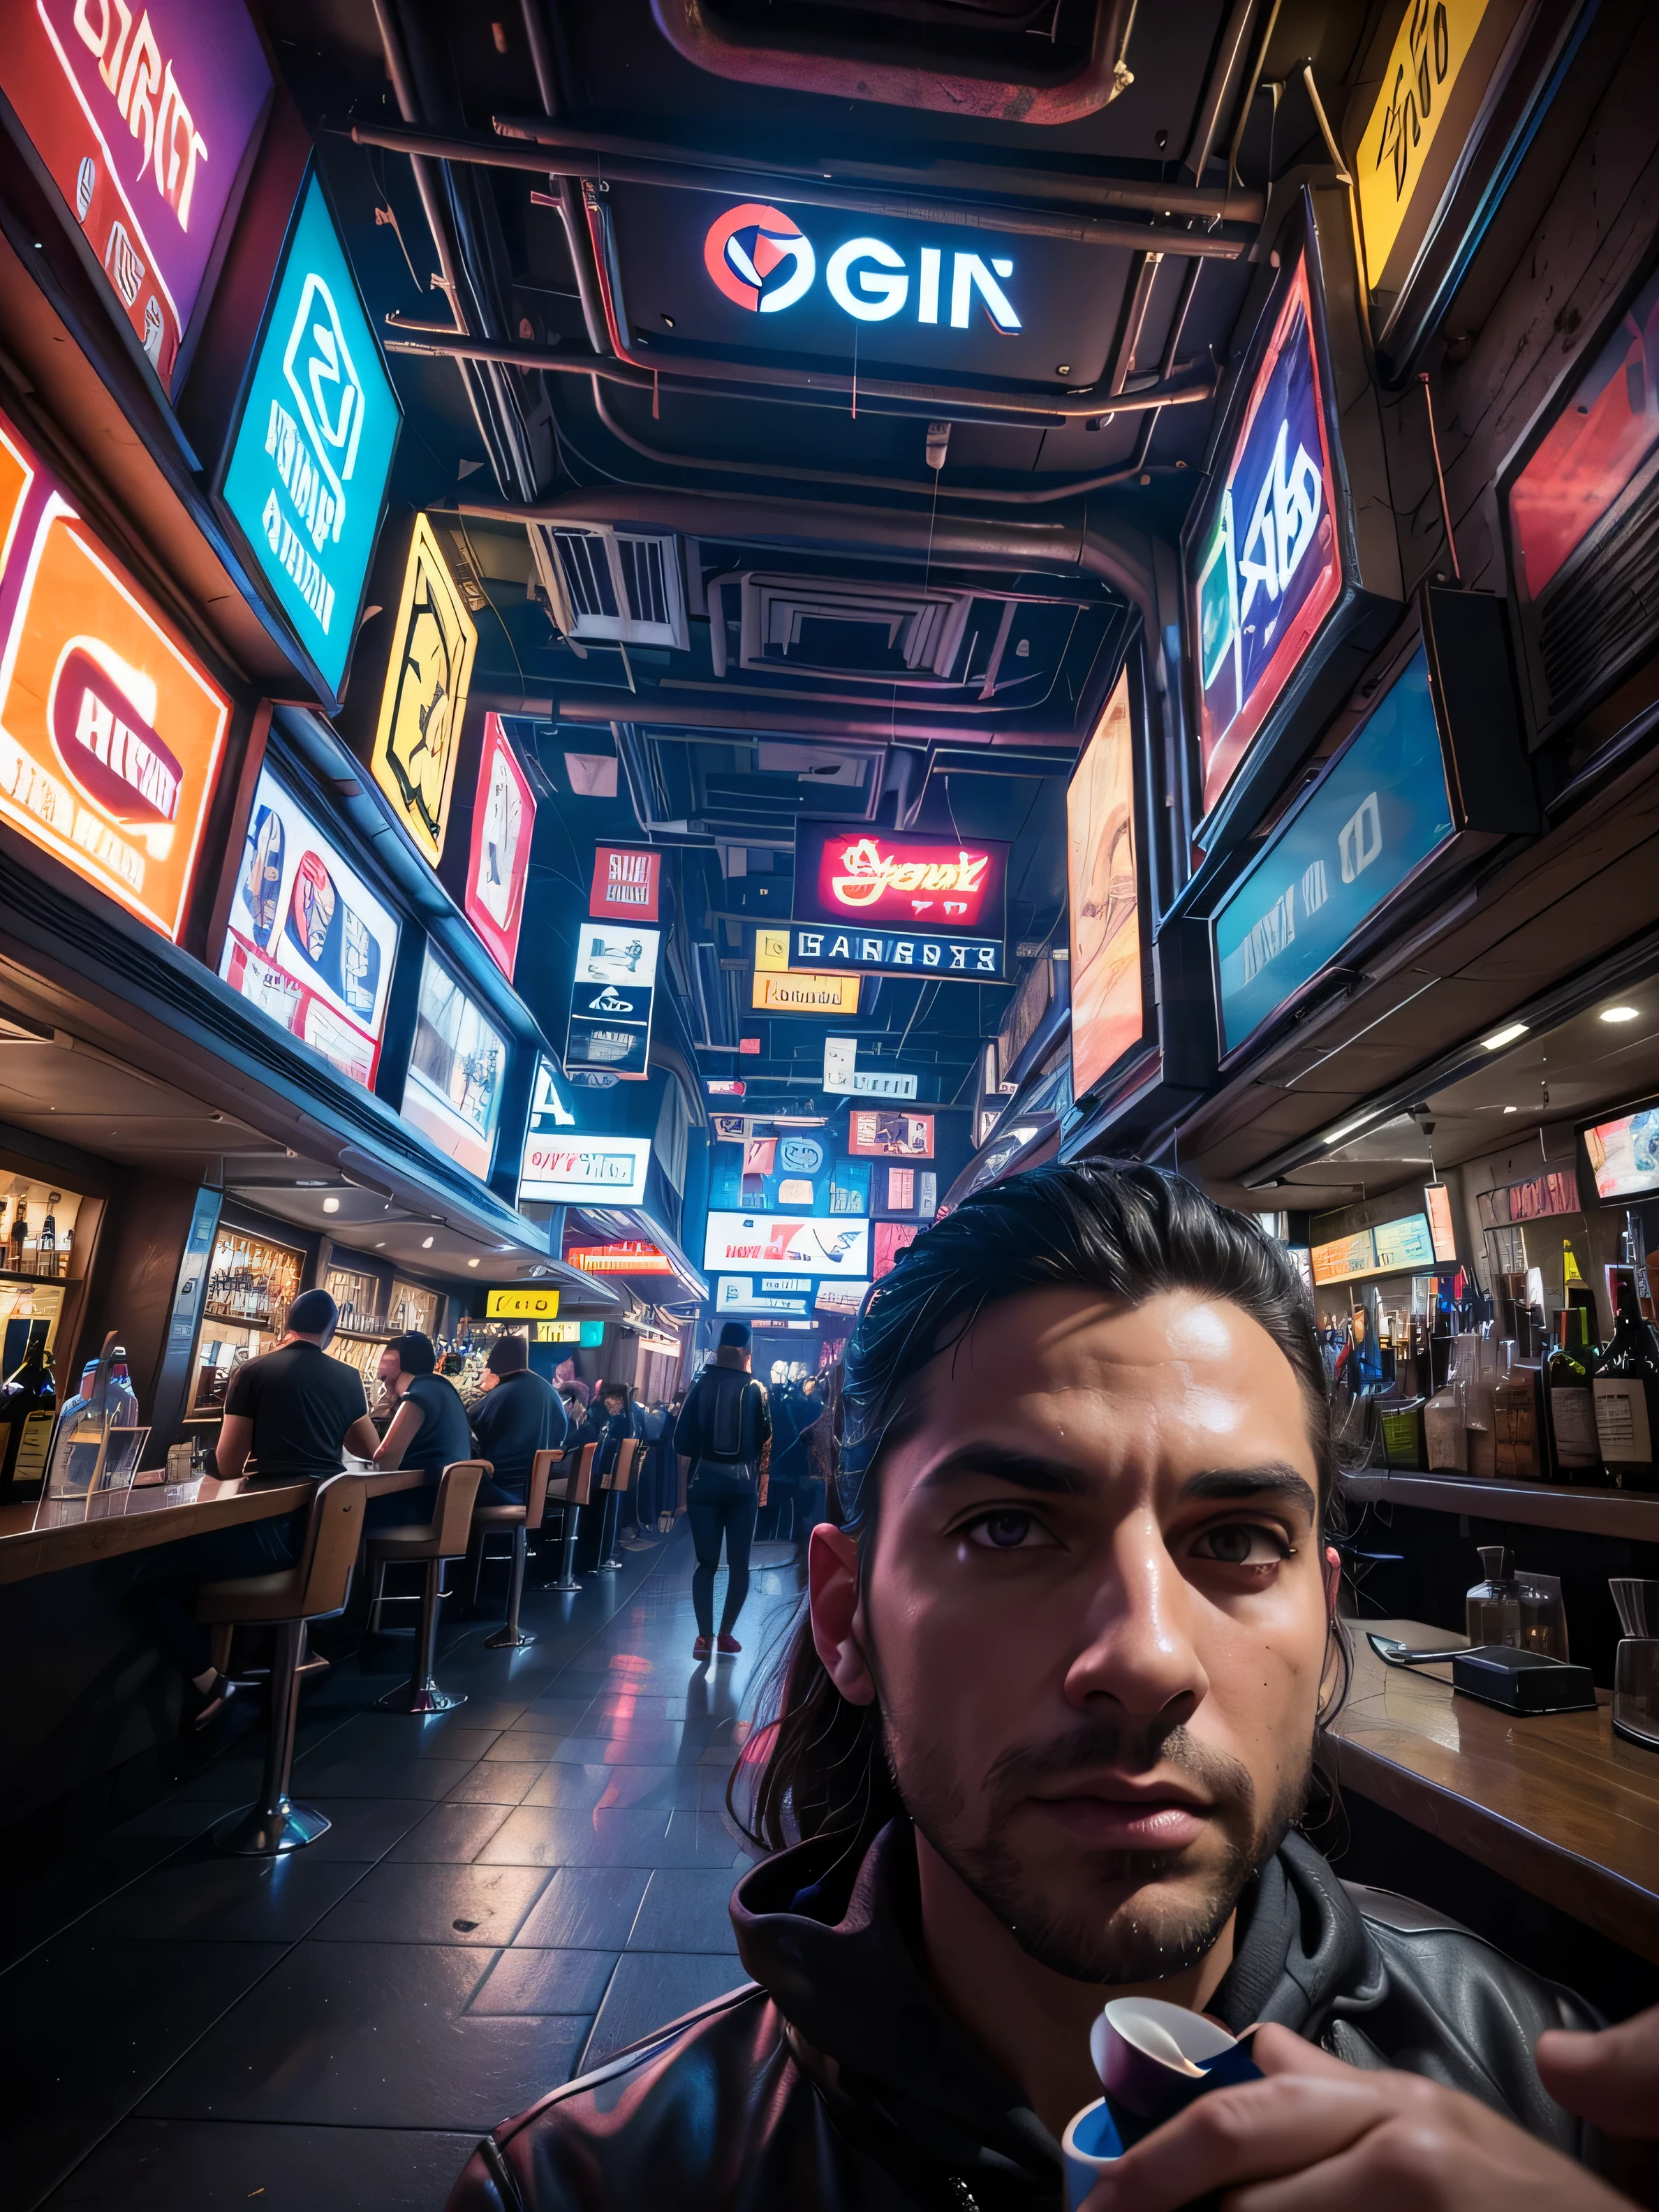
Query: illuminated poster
point(424, 702)
point(1429, 52)
point(453, 1092)
point(110, 731)
point(142, 117)
point(1407, 1242)
point(878, 1134)
point(626, 884)
point(1264, 566)
point(308, 467)
point(1440, 1232)
point(308, 942)
point(1344, 1257)
point(562, 1169)
point(812, 1245)
point(1104, 888)
point(498, 867)
point(1624, 1155)
point(610, 1000)
point(892, 1237)
point(848, 872)
point(797, 992)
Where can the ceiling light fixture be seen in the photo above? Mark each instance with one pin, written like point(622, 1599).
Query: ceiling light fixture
point(1620, 1014)
point(1507, 1035)
point(426, 1243)
point(471, 1263)
point(1350, 1129)
point(330, 1206)
point(1511, 1110)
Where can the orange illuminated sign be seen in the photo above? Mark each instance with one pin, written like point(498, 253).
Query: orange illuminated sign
point(110, 733)
point(626, 1259)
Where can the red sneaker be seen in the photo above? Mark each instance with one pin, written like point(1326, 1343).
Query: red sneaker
point(728, 1644)
point(702, 1647)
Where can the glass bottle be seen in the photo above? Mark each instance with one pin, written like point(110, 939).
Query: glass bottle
point(1626, 1381)
point(1492, 1608)
point(27, 1406)
point(1575, 1455)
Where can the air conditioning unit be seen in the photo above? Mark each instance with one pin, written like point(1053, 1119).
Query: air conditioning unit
point(618, 587)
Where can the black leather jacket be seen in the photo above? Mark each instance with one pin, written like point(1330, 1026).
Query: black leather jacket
point(840, 2083)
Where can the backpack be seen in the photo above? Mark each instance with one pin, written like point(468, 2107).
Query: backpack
point(722, 1420)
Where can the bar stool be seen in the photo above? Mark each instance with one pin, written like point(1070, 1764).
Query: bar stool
point(518, 1520)
point(443, 1538)
point(616, 1483)
point(570, 1497)
point(314, 1589)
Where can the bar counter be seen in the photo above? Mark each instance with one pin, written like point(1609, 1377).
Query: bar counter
point(26, 1551)
point(1555, 1802)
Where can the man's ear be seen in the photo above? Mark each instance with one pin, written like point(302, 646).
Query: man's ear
point(832, 1577)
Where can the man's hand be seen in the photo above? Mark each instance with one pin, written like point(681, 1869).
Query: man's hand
point(1612, 2078)
point(1317, 2134)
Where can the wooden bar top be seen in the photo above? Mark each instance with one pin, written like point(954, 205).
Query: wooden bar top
point(1556, 1802)
point(26, 1550)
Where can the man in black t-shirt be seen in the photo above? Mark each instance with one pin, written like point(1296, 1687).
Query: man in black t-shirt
point(723, 1439)
point(518, 1415)
point(429, 1429)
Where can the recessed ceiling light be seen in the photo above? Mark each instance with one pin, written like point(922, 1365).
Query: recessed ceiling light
point(381, 1247)
point(471, 1263)
point(426, 1243)
point(1496, 1041)
point(1620, 1014)
point(1511, 1110)
point(330, 1206)
point(1350, 1128)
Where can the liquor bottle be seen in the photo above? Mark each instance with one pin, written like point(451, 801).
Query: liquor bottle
point(45, 1245)
point(1626, 1381)
point(1492, 1610)
point(1575, 1453)
point(27, 1408)
point(19, 1229)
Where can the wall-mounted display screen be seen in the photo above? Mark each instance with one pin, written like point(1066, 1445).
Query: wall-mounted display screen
point(308, 942)
point(848, 872)
point(1392, 1248)
point(1103, 890)
point(875, 1133)
point(626, 884)
point(1381, 809)
point(498, 867)
point(312, 449)
point(1264, 562)
point(1624, 1154)
point(111, 733)
point(453, 1092)
point(813, 1246)
point(423, 702)
point(142, 118)
point(1437, 1198)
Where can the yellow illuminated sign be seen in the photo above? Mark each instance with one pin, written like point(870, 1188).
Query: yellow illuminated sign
point(558, 1332)
point(1432, 46)
point(772, 950)
point(801, 992)
point(424, 702)
point(521, 1305)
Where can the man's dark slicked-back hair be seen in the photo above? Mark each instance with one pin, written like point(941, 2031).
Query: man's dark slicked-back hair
point(1130, 1233)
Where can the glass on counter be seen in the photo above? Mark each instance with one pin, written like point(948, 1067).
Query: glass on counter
point(1636, 1662)
point(1491, 1609)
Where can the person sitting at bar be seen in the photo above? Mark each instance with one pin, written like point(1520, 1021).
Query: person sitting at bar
point(1048, 1735)
point(291, 1411)
point(429, 1430)
point(517, 1415)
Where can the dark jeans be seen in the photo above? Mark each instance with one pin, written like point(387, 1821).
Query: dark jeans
point(720, 1501)
point(163, 1601)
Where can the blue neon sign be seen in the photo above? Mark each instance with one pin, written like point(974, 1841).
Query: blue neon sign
point(313, 452)
point(1380, 810)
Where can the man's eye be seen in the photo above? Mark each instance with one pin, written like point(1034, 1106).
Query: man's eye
point(1243, 1544)
point(1007, 1532)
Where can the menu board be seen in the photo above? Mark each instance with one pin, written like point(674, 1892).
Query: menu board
point(307, 941)
point(1392, 1248)
point(453, 1089)
point(1624, 1155)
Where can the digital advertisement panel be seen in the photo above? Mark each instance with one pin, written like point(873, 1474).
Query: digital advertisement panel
point(610, 1000)
point(453, 1089)
point(792, 1173)
point(626, 885)
point(1624, 1154)
point(563, 1169)
point(849, 873)
point(813, 1245)
point(309, 462)
point(498, 866)
point(424, 703)
point(308, 942)
point(1103, 890)
point(1264, 565)
point(142, 118)
point(1380, 809)
point(111, 733)
point(881, 1135)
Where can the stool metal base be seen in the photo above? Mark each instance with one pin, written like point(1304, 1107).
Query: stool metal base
point(265, 1832)
point(508, 1639)
point(512, 1637)
point(426, 1697)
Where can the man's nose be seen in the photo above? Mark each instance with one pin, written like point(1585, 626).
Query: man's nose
point(1140, 1655)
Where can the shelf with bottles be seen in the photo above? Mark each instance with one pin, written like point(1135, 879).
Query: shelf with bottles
point(411, 1308)
point(37, 1231)
point(221, 1347)
point(1592, 1510)
point(251, 1281)
point(360, 1299)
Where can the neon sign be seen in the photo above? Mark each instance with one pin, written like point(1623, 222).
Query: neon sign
point(848, 872)
point(1264, 565)
point(868, 278)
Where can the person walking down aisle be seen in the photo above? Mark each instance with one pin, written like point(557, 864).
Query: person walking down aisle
point(723, 1440)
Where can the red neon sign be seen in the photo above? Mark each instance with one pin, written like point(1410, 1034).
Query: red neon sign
point(625, 1259)
point(849, 873)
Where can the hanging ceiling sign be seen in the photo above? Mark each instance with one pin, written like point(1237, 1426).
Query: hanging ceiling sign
point(798, 992)
point(627, 884)
point(565, 1170)
point(1263, 563)
point(498, 864)
point(891, 1136)
point(307, 941)
point(848, 873)
point(521, 1305)
point(628, 1258)
point(424, 702)
point(610, 1000)
point(736, 1294)
point(724, 1087)
point(311, 451)
point(1396, 165)
point(689, 270)
point(111, 733)
point(898, 953)
point(143, 117)
point(810, 1245)
point(844, 1078)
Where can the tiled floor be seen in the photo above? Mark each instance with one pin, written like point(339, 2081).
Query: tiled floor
point(508, 1894)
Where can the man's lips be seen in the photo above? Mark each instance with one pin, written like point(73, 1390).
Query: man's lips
point(1117, 1815)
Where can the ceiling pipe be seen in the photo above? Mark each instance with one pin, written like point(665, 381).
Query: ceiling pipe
point(1215, 99)
point(402, 89)
point(872, 724)
point(539, 41)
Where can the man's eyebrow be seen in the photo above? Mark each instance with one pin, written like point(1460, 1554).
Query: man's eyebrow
point(1000, 1463)
point(1274, 1479)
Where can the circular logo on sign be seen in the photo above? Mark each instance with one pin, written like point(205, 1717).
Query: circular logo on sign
point(745, 249)
point(800, 1156)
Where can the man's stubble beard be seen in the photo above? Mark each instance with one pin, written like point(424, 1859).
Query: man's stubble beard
point(1144, 1937)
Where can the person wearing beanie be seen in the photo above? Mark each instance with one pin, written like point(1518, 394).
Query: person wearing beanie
point(517, 1413)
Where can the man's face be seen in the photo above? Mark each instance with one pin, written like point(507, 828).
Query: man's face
point(388, 1369)
point(1096, 1620)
